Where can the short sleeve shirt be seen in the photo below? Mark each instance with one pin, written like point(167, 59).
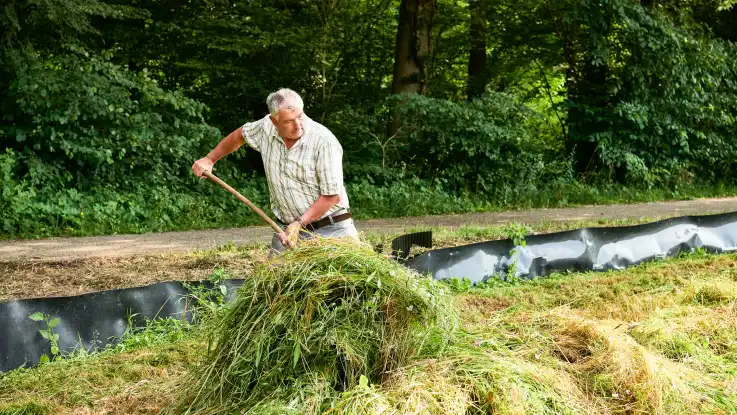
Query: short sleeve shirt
point(299, 175)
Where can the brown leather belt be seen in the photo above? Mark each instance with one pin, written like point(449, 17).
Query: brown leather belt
point(328, 220)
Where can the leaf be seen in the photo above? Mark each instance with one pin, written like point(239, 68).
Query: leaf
point(44, 358)
point(258, 357)
point(45, 334)
point(55, 350)
point(54, 322)
point(363, 381)
point(295, 354)
point(38, 316)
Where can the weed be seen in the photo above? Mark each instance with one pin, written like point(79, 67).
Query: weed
point(152, 333)
point(207, 301)
point(48, 334)
point(516, 233)
point(28, 408)
point(459, 285)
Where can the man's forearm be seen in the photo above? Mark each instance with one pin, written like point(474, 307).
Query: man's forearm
point(321, 206)
point(228, 145)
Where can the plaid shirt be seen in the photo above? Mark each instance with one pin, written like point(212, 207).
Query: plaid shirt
point(298, 176)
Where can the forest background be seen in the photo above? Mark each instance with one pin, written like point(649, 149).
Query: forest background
point(441, 106)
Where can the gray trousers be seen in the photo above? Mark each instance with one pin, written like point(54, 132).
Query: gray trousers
point(337, 230)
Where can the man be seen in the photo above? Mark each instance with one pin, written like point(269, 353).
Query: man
point(304, 170)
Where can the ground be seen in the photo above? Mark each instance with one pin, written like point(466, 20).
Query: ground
point(71, 266)
point(657, 338)
point(66, 249)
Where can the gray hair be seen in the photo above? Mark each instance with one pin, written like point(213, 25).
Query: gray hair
point(284, 98)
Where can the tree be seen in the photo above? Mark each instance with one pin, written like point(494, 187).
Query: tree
point(649, 90)
point(45, 25)
point(413, 50)
point(477, 56)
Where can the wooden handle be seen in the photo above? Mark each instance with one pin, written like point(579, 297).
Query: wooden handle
point(243, 199)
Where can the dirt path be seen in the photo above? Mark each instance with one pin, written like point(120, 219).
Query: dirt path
point(64, 249)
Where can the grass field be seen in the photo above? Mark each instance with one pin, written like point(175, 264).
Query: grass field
point(659, 338)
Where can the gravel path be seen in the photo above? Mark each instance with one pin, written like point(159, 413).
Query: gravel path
point(64, 249)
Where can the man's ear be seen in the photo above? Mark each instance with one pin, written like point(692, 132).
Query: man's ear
point(273, 120)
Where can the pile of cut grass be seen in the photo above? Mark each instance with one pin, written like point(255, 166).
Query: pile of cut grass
point(323, 319)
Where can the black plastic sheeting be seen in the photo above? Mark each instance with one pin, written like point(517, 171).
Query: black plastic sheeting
point(596, 249)
point(89, 321)
point(402, 244)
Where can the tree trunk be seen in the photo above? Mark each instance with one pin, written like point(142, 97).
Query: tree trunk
point(413, 47)
point(477, 56)
point(413, 51)
point(587, 95)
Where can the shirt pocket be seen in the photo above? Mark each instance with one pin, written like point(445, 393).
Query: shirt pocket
point(303, 171)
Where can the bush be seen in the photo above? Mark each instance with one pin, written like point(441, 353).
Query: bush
point(489, 146)
point(484, 146)
point(77, 120)
point(654, 92)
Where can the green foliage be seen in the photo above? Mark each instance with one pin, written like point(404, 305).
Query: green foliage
point(654, 91)
point(227, 55)
point(91, 142)
point(28, 408)
point(190, 204)
point(516, 232)
point(48, 334)
point(154, 332)
point(485, 147)
point(480, 146)
point(106, 104)
point(77, 120)
point(459, 285)
point(30, 24)
point(208, 300)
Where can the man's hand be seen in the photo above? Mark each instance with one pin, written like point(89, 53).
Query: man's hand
point(284, 239)
point(292, 234)
point(201, 166)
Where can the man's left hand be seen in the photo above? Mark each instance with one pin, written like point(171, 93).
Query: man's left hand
point(292, 232)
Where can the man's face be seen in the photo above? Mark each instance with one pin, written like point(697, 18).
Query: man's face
point(290, 123)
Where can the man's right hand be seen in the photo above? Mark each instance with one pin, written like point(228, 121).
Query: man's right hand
point(201, 166)
point(284, 239)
